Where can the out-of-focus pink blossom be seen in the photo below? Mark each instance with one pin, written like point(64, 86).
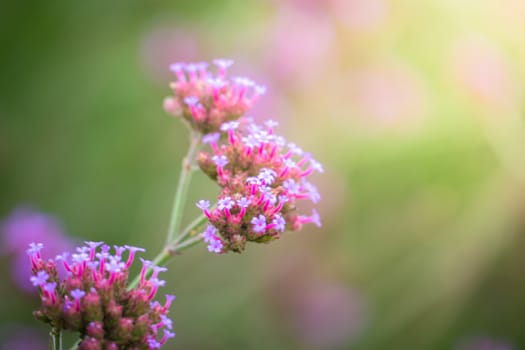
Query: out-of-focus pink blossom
point(483, 72)
point(388, 95)
point(22, 227)
point(300, 47)
point(311, 6)
point(360, 15)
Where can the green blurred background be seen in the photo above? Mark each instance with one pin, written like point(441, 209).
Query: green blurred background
point(414, 107)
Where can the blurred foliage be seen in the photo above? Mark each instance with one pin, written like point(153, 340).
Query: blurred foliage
point(422, 140)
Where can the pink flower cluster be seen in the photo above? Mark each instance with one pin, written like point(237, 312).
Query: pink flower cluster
point(93, 299)
point(262, 177)
point(205, 100)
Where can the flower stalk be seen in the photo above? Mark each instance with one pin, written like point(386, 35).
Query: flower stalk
point(178, 245)
point(182, 187)
point(55, 341)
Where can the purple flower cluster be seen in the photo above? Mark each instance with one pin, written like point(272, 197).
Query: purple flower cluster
point(262, 177)
point(93, 298)
point(206, 100)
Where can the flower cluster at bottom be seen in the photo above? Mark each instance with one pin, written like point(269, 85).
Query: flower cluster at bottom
point(94, 299)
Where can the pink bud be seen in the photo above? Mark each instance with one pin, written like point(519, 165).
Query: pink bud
point(90, 344)
point(171, 106)
point(95, 330)
point(110, 346)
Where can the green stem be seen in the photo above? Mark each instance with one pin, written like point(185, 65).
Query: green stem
point(75, 346)
point(182, 188)
point(175, 244)
point(190, 242)
point(170, 251)
point(195, 224)
point(55, 343)
point(166, 254)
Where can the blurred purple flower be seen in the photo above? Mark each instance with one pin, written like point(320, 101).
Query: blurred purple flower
point(22, 338)
point(328, 315)
point(483, 343)
point(320, 313)
point(22, 227)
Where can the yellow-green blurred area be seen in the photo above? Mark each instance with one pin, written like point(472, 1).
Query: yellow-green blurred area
point(414, 108)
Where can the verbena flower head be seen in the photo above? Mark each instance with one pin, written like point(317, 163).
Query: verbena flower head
point(207, 100)
point(93, 298)
point(262, 178)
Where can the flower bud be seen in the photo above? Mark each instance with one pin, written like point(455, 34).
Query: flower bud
point(110, 345)
point(124, 329)
point(95, 330)
point(207, 165)
point(90, 344)
point(237, 243)
point(41, 316)
point(141, 326)
point(72, 318)
point(113, 314)
point(138, 303)
point(92, 307)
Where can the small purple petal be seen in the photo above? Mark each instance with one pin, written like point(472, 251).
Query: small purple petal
point(222, 63)
point(259, 224)
point(203, 204)
point(220, 161)
point(77, 294)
